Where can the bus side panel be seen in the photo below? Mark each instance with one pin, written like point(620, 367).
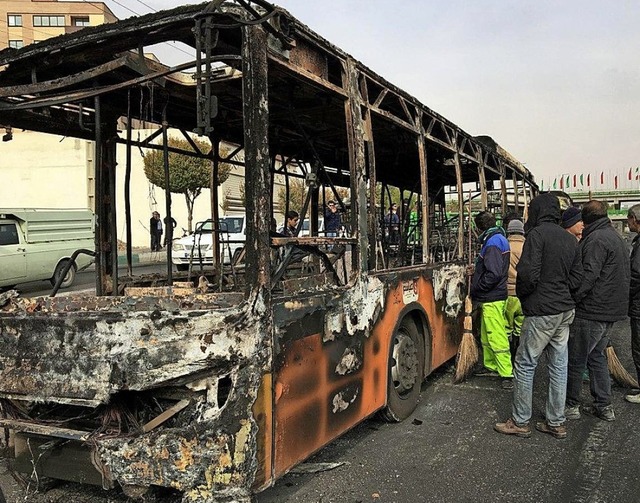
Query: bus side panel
point(326, 385)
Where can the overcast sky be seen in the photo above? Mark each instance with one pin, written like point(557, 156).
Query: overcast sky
point(556, 83)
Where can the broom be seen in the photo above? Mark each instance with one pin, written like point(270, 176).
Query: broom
point(468, 350)
point(617, 370)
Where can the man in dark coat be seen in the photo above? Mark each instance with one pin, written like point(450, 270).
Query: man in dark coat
point(600, 288)
point(633, 219)
point(542, 285)
point(489, 288)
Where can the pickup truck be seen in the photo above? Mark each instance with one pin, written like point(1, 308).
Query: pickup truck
point(36, 244)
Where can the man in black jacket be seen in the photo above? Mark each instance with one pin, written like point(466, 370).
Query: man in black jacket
point(600, 288)
point(633, 219)
point(542, 285)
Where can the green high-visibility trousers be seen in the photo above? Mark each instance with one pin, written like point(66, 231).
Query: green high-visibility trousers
point(514, 316)
point(496, 353)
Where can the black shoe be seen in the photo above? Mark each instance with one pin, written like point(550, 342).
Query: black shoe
point(507, 383)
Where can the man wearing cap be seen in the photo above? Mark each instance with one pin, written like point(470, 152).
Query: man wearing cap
point(513, 313)
point(489, 288)
point(600, 287)
point(572, 221)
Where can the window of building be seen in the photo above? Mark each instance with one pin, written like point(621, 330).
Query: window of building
point(14, 20)
point(48, 20)
point(79, 20)
point(16, 44)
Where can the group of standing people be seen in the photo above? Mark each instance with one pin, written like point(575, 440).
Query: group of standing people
point(156, 230)
point(561, 288)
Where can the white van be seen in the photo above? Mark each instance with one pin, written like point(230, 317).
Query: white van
point(36, 244)
point(198, 247)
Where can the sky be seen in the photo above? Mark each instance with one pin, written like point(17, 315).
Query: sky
point(556, 83)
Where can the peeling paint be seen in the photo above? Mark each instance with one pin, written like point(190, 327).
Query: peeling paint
point(448, 284)
point(348, 363)
point(361, 306)
point(341, 401)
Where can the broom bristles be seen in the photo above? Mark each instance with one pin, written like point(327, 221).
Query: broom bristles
point(468, 350)
point(617, 370)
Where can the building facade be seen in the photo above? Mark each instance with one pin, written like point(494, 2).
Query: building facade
point(23, 22)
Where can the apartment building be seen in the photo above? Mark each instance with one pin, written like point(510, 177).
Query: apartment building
point(25, 21)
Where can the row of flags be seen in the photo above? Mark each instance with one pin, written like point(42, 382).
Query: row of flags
point(564, 182)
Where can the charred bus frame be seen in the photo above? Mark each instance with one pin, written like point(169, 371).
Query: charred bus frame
point(216, 392)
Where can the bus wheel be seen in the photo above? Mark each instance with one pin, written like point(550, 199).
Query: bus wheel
point(406, 369)
point(69, 278)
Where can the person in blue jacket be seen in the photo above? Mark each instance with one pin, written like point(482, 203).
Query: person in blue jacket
point(489, 288)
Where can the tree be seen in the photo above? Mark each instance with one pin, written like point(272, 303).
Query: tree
point(188, 175)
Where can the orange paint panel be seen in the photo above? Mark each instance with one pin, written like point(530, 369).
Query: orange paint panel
point(263, 415)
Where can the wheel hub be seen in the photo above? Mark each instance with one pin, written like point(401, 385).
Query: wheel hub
point(405, 369)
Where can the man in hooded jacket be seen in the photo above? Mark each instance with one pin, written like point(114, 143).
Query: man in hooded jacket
point(600, 288)
point(489, 288)
point(542, 284)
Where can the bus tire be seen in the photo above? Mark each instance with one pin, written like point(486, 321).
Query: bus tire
point(69, 279)
point(405, 372)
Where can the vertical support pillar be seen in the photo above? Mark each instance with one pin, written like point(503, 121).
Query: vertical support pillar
point(127, 189)
point(503, 188)
point(215, 202)
point(357, 166)
point(424, 190)
point(167, 193)
point(256, 148)
point(456, 160)
point(484, 197)
point(106, 229)
point(516, 195)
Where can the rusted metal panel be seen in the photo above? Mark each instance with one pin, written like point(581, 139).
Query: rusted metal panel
point(310, 59)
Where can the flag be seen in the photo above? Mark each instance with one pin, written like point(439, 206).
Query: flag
point(589, 180)
point(581, 180)
point(615, 181)
point(555, 183)
point(575, 180)
point(568, 181)
point(542, 186)
point(637, 173)
point(601, 177)
point(630, 173)
point(561, 182)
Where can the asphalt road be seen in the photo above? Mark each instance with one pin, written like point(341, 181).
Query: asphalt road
point(447, 451)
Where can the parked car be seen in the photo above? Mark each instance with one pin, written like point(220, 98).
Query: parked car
point(198, 247)
point(36, 244)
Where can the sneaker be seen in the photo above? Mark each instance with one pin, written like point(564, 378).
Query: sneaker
point(485, 372)
point(509, 427)
point(633, 398)
point(572, 412)
point(555, 431)
point(605, 413)
point(507, 383)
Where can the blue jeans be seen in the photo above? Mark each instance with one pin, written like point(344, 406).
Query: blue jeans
point(588, 342)
point(540, 334)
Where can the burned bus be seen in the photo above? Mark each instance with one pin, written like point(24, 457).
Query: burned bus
point(216, 382)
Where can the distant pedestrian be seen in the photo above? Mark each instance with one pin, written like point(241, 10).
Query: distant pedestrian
point(332, 222)
point(154, 232)
point(513, 313)
point(633, 219)
point(170, 224)
point(572, 221)
point(392, 225)
point(600, 288)
point(542, 285)
point(489, 288)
